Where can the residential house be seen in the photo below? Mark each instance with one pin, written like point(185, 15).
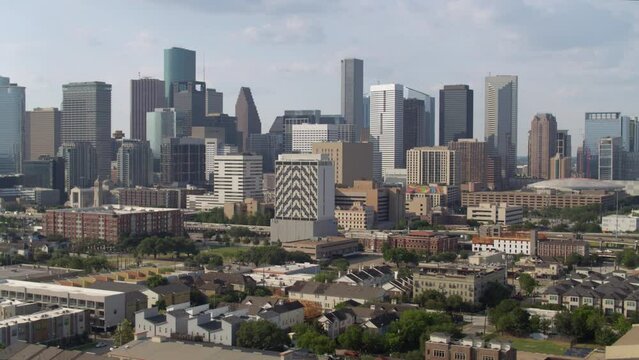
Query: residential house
point(218, 283)
point(327, 296)
point(337, 321)
point(372, 276)
point(171, 294)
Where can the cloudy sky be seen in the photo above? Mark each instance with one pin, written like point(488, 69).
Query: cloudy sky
point(572, 56)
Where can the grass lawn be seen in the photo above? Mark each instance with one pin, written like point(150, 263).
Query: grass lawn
point(228, 252)
point(539, 346)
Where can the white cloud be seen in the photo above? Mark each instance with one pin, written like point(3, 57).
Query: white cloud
point(293, 30)
point(143, 40)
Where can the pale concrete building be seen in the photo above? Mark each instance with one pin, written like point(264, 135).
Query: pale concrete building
point(305, 135)
point(559, 167)
point(619, 223)
point(467, 281)
point(42, 132)
point(357, 217)
point(352, 161)
point(496, 213)
point(432, 165)
point(387, 127)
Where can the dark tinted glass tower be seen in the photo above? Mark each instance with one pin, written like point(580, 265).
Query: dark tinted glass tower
point(179, 65)
point(353, 94)
point(455, 113)
point(146, 96)
point(248, 119)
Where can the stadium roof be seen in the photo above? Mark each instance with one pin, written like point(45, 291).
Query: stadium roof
point(575, 184)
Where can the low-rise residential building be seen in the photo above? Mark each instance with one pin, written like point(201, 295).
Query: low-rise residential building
point(441, 347)
point(289, 269)
point(619, 223)
point(424, 241)
point(12, 308)
point(372, 276)
point(500, 214)
point(106, 308)
point(519, 242)
point(43, 327)
point(324, 248)
point(135, 297)
point(331, 294)
point(169, 294)
point(219, 283)
point(336, 322)
point(467, 281)
point(358, 217)
point(627, 347)
point(284, 315)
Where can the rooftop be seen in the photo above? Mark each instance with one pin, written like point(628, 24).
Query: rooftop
point(19, 284)
point(114, 210)
point(27, 272)
point(37, 316)
point(575, 184)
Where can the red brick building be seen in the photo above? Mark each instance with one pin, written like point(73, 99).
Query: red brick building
point(111, 222)
point(424, 241)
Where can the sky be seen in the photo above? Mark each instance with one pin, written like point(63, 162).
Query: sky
point(571, 56)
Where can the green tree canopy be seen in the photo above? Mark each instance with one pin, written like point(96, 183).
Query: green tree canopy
point(263, 335)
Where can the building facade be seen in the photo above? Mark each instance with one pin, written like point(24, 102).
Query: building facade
point(42, 133)
point(501, 120)
point(432, 165)
point(535, 200)
point(352, 161)
point(160, 125)
point(387, 202)
point(419, 120)
point(183, 161)
point(472, 155)
point(352, 93)
point(147, 94)
point(80, 164)
point(467, 281)
point(387, 127)
point(179, 65)
point(560, 167)
point(499, 214)
point(610, 158)
point(542, 145)
point(134, 163)
point(12, 121)
point(248, 119)
point(305, 135)
point(214, 102)
point(455, 113)
point(237, 177)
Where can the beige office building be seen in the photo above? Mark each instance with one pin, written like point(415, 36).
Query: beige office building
point(432, 165)
point(467, 281)
point(387, 202)
point(559, 167)
point(500, 214)
point(356, 217)
point(472, 157)
point(542, 145)
point(352, 161)
point(42, 132)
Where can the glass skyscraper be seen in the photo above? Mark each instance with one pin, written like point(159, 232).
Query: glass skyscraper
point(12, 114)
point(179, 65)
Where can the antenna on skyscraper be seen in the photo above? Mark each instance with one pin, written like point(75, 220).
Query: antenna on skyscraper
point(139, 76)
point(204, 67)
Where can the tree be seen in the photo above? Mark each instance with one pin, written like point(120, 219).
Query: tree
point(316, 342)
point(123, 333)
point(494, 293)
point(628, 258)
point(156, 280)
point(215, 261)
point(263, 335)
point(406, 334)
point(509, 317)
point(340, 264)
point(352, 338)
point(325, 276)
point(527, 283)
point(399, 255)
point(298, 257)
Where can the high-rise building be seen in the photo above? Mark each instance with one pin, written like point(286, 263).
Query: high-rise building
point(80, 160)
point(147, 94)
point(12, 119)
point(564, 143)
point(179, 65)
point(419, 124)
point(237, 177)
point(86, 117)
point(214, 102)
point(45, 172)
point(42, 133)
point(305, 198)
point(473, 158)
point(432, 165)
point(600, 125)
point(610, 156)
point(367, 119)
point(352, 93)
point(211, 150)
point(542, 145)
point(455, 113)
point(135, 163)
point(305, 135)
point(387, 127)
point(582, 164)
point(160, 125)
point(352, 161)
point(559, 167)
point(270, 146)
point(183, 161)
point(189, 99)
point(501, 120)
point(248, 119)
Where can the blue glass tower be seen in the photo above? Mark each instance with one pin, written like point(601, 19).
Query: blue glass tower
point(179, 65)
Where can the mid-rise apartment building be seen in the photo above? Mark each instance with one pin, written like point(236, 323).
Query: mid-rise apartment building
point(467, 281)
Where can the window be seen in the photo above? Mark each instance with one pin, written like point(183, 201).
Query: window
point(460, 356)
point(487, 357)
point(439, 353)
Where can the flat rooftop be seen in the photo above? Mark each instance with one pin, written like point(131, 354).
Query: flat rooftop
point(33, 272)
point(115, 209)
point(283, 269)
point(20, 284)
point(22, 319)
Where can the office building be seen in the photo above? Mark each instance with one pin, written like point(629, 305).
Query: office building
point(419, 120)
point(387, 202)
point(12, 122)
point(160, 125)
point(156, 197)
point(183, 161)
point(387, 127)
point(305, 135)
point(41, 133)
point(86, 117)
point(214, 102)
point(564, 143)
point(432, 165)
point(455, 113)
point(352, 93)
point(610, 156)
point(135, 163)
point(80, 164)
point(352, 161)
point(600, 125)
point(619, 223)
point(147, 94)
point(220, 126)
point(356, 217)
point(189, 100)
point(473, 158)
point(499, 214)
point(111, 222)
point(237, 177)
point(538, 200)
point(559, 167)
point(179, 65)
point(423, 242)
point(441, 347)
point(211, 150)
point(46, 172)
point(270, 146)
point(467, 281)
point(501, 120)
point(542, 145)
point(248, 119)
point(304, 197)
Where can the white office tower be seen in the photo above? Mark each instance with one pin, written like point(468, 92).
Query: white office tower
point(237, 177)
point(432, 165)
point(387, 127)
point(305, 135)
point(210, 152)
point(501, 120)
point(304, 198)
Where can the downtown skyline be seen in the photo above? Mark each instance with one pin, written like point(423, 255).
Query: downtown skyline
point(289, 53)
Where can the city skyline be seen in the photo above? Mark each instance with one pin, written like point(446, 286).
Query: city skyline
point(116, 54)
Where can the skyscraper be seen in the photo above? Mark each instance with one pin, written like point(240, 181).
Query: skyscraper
point(352, 92)
point(237, 177)
point(305, 197)
point(564, 143)
point(160, 125)
point(473, 158)
point(270, 146)
point(179, 65)
point(305, 135)
point(86, 117)
point(189, 101)
point(542, 145)
point(42, 133)
point(559, 167)
point(248, 119)
point(419, 121)
point(610, 157)
point(146, 95)
point(12, 114)
point(501, 120)
point(80, 164)
point(455, 113)
point(600, 125)
point(352, 161)
point(214, 102)
point(387, 127)
point(135, 163)
point(183, 161)
point(432, 165)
